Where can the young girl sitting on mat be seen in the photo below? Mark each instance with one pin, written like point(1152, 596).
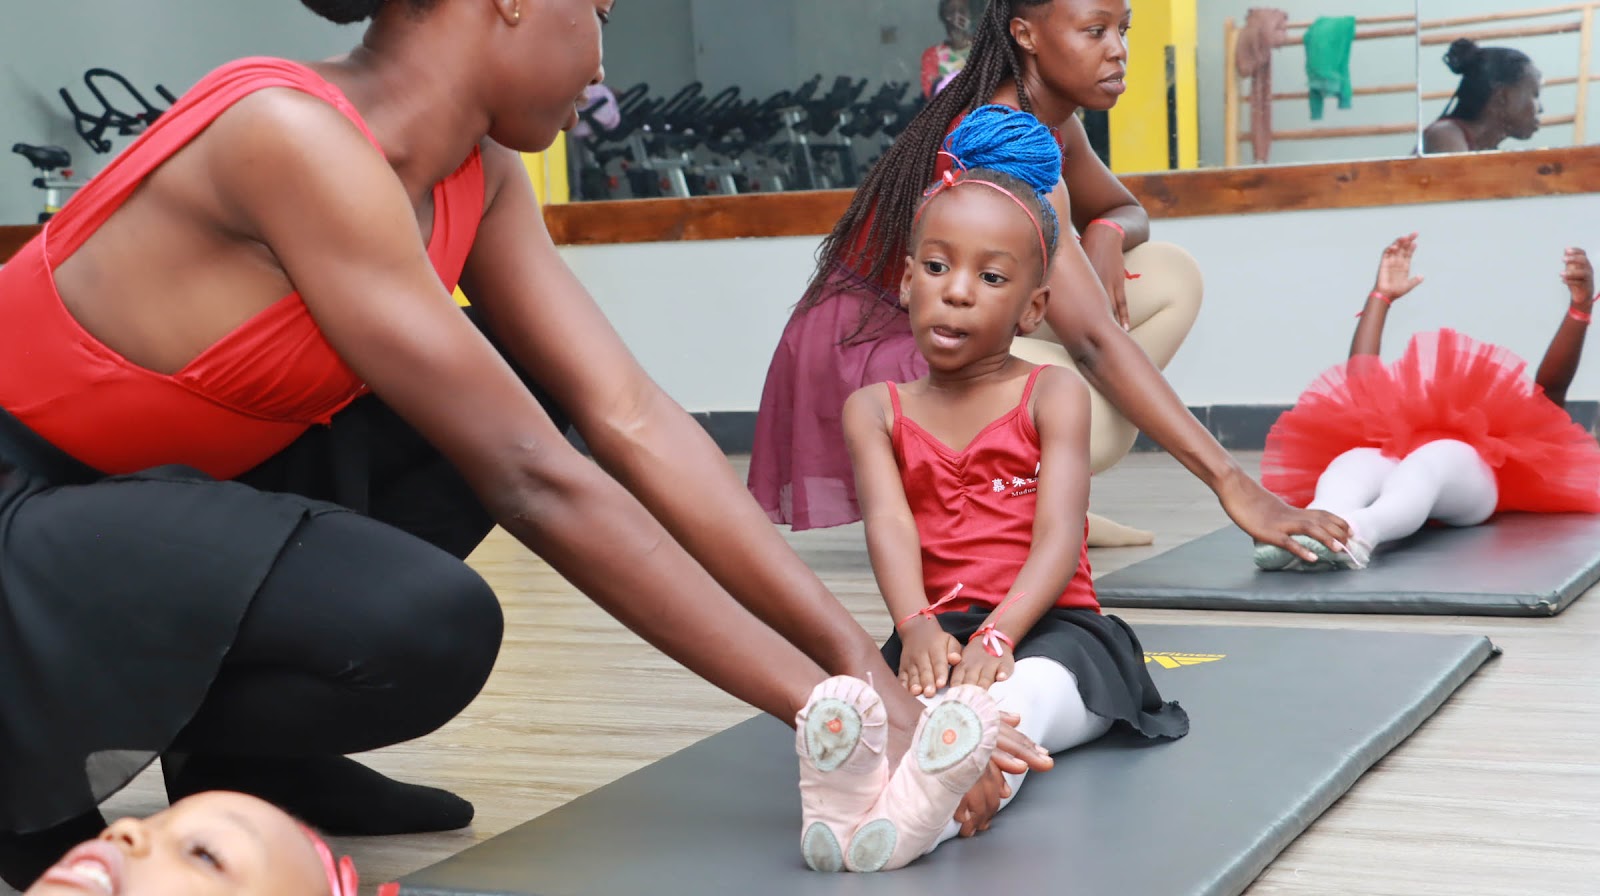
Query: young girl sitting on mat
point(209, 843)
point(974, 488)
point(1451, 432)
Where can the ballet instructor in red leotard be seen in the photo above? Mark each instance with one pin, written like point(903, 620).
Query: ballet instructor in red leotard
point(247, 438)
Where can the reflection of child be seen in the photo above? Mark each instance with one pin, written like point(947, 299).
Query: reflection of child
point(1451, 432)
point(208, 843)
point(974, 486)
point(944, 60)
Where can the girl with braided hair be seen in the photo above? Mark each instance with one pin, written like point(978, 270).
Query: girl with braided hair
point(974, 484)
point(1051, 58)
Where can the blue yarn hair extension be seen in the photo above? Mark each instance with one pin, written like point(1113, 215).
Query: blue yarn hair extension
point(1004, 139)
point(1011, 142)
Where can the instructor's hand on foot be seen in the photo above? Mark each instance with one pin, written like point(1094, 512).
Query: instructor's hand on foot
point(1015, 753)
point(1267, 519)
point(926, 655)
point(982, 802)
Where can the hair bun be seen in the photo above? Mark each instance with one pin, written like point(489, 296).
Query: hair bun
point(344, 12)
point(1463, 53)
point(1001, 138)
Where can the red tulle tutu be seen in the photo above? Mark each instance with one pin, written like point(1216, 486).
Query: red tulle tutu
point(1446, 386)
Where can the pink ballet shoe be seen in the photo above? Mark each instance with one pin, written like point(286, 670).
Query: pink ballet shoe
point(949, 751)
point(840, 736)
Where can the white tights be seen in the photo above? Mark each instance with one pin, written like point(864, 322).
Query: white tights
point(1045, 694)
point(1384, 499)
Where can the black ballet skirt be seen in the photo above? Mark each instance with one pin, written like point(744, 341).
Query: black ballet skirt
point(119, 597)
point(1101, 651)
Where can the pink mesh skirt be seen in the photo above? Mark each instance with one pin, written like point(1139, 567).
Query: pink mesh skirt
point(799, 468)
point(1446, 386)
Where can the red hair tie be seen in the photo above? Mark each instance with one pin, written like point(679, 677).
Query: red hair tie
point(342, 877)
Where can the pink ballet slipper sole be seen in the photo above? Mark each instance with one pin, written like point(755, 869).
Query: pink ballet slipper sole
point(949, 751)
point(840, 736)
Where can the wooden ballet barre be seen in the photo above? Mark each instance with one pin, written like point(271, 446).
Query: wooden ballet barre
point(1499, 33)
point(1373, 34)
point(1361, 20)
point(1386, 89)
point(1359, 91)
point(1510, 16)
point(1552, 82)
point(1377, 130)
point(1366, 130)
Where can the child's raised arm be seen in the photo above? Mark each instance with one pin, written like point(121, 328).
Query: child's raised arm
point(893, 545)
point(1394, 280)
point(1560, 362)
point(1061, 415)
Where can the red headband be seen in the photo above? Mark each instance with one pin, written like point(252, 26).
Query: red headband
point(342, 877)
point(949, 180)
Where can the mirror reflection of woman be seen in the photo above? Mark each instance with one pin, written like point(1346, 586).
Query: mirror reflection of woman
point(1498, 97)
point(943, 60)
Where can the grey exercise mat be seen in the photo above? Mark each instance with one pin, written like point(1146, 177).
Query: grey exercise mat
point(1518, 564)
point(1284, 722)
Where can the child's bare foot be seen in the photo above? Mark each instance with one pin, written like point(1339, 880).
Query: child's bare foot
point(949, 752)
point(840, 736)
point(1104, 533)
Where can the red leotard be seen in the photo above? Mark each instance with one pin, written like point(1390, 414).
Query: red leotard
point(242, 399)
point(974, 508)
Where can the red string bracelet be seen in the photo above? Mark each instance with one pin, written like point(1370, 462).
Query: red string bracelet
point(1376, 295)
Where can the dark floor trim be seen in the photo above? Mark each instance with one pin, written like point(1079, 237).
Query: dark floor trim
point(1239, 427)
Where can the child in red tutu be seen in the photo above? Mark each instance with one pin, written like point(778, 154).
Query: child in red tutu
point(1452, 432)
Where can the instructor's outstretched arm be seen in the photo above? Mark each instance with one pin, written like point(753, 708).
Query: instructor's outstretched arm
point(1120, 370)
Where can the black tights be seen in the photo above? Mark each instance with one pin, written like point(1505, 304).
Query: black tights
point(369, 630)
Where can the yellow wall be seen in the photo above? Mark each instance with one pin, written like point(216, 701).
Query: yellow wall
point(1139, 120)
point(548, 171)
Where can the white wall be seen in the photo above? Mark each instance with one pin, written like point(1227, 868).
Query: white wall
point(651, 41)
point(745, 44)
point(880, 40)
point(1372, 62)
point(47, 46)
point(1281, 292)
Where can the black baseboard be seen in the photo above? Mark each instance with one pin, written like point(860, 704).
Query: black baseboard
point(1239, 427)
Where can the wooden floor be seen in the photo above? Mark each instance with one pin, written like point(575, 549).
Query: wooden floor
point(1499, 793)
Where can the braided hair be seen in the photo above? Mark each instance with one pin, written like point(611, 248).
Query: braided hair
point(345, 12)
point(1483, 70)
point(887, 198)
point(1012, 150)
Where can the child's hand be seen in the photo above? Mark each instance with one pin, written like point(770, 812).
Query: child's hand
point(926, 654)
point(1394, 269)
point(981, 668)
point(1579, 277)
